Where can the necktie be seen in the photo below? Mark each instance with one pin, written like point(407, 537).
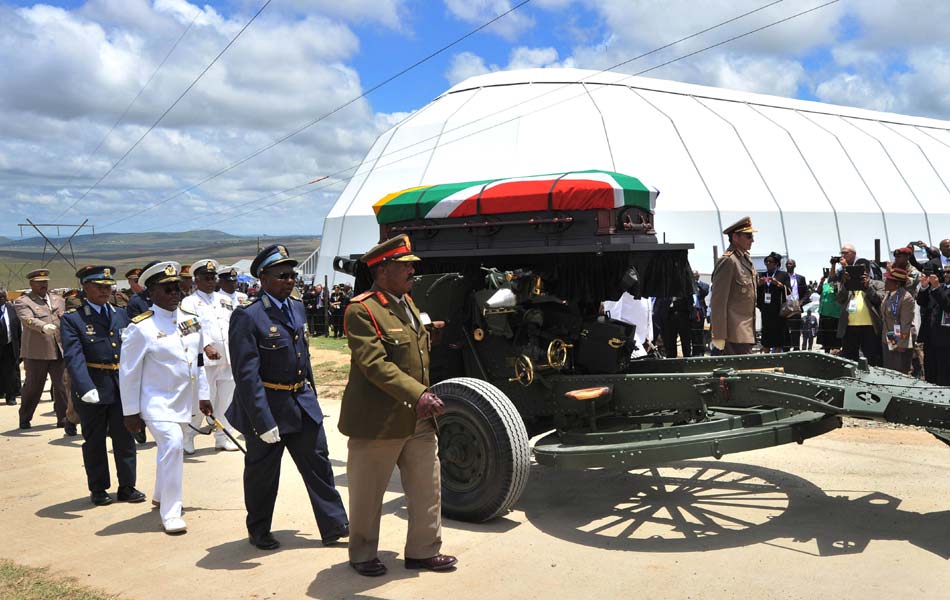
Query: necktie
point(3, 326)
point(405, 307)
point(286, 310)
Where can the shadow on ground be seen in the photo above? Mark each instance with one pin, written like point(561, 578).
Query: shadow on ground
point(342, 581)
point(705, 505)
point(71, 509)
point(240, 555)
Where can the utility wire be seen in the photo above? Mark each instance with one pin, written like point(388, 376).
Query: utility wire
point(313, 122)
point(134, 100)
point(173, 104)
point(334, 175)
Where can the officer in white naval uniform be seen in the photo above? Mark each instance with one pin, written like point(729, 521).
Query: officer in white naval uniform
point(214, 313)
point(161, 377)
point(227, 281)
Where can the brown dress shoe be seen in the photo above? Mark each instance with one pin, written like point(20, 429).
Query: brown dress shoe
point(370, 568)
point(439, 562)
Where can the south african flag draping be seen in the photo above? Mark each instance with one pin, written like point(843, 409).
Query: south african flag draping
point(574, 190)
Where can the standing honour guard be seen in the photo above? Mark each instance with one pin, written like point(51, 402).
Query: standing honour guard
point(161, 379)
point(389, 414)
point(214, 314)
point(227, 281)
point(733, 291)
point(275, 405)
point(41, 350)
point(139, 302)
point(92, 339)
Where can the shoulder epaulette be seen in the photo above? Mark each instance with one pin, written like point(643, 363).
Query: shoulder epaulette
point(70, 310)
point(359, 300)
point(187, 312)
point(727, 253)
point(142, 316)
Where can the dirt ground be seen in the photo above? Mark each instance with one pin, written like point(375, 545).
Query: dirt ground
point(855, 513)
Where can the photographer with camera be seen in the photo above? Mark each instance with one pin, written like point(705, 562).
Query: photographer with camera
point(934, 296)
point(859, 325)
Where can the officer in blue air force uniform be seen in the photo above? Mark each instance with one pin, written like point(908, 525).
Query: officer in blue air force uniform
point(92, 339)
point(275, 402)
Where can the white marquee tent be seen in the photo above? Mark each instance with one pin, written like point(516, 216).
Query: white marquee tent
point(811, 175)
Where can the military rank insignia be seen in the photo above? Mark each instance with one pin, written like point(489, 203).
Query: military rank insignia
point(188, 327)
point(90, 330)
point(226, 305)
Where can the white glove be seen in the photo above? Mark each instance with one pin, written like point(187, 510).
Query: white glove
point(270, 437)
point(719, 344)
point(50, 328)
point(91, 397)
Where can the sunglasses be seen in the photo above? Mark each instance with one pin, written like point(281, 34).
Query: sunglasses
point(284, 275)
point(207, 277)
point(170, 288)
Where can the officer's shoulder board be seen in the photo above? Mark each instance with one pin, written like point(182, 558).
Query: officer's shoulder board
point(142, 316)
point(187, 312)
point(70, 310)
point(361, 297)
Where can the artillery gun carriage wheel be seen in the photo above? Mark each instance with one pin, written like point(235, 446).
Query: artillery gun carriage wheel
point(483, 449)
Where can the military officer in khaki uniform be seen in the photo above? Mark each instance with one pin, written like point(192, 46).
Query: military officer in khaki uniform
point(388, 414)
point(732, 306)
point(42, 349)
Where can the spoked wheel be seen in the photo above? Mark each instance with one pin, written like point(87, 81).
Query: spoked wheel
point(483, 449)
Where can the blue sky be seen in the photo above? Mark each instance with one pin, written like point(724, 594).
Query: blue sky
point(69, 69)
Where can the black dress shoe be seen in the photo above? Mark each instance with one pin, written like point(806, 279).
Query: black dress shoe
point(129, 494)
point(25, 425)
point(69, 429)
point(11, 401)
point(265, 542)
point(100, 498)
point(439, 562)
point(370, 568)
point(336, 536)
point(139, 436)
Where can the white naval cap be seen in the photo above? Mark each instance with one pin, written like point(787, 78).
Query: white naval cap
point(161, 272)
point(205, 264)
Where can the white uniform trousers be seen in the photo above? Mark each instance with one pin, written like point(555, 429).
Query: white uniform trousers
point(370, 465)
point(221, 383)
point(169, 467)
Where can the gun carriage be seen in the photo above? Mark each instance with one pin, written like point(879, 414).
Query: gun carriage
point(518, 270)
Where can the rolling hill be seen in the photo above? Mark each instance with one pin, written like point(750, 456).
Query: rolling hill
point(127, 250)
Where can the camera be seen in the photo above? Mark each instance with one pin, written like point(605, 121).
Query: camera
point(835, 259)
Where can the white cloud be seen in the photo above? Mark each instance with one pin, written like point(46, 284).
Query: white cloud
point(468, 64)
point(478, 12)
point(65, 76)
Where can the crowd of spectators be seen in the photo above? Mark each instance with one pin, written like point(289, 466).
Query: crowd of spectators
point(893, 313)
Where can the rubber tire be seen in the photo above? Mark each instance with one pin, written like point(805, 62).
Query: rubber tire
point(497, 420)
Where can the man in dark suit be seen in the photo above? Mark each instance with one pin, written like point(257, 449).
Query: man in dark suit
point(926, 335)
point(92, 340)
point(698, 316)
point(797, 290)
point(275, 403)
point(935, 293)
point(9, 350)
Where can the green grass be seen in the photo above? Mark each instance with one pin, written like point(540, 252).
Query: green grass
point(26, 583)
point(329, 343)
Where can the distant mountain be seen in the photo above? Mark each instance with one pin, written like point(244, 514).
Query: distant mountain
point(132, 240)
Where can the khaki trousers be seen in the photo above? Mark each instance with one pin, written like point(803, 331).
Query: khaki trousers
point(36, 371)
point(369, 467)
point(737, 348)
